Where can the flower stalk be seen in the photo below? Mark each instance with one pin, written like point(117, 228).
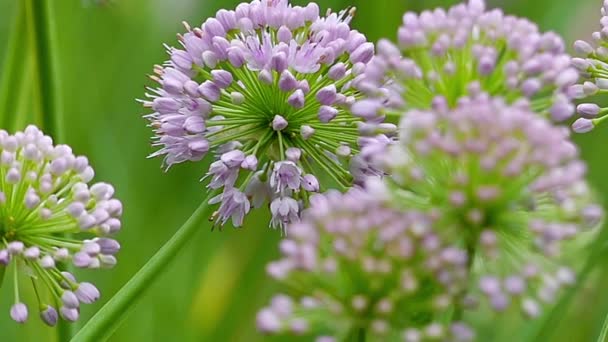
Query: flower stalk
point(108, 319)
point(13, 74)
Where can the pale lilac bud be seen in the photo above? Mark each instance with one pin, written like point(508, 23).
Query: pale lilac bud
point(304, 86)
point(236, 58)
point(69, 299)
point(293, 154)
point(237, 98)
point(15, 247)
point(583, 48)
point(306, 131)
point(363, 53)
point(296, 100)
point(31, 253)
point(337, 71)
point(5, 257)
point(265, 76)
point(278, 62)
point(284, 34)
point(250, 163)
point(310, 183)
point(81, 259)
point(47, 262)
point(279, 123)
point(233, 158)
point(210, 91)
point(49, 316)
point(19, 313)
point(69, 314)
point(327, 95)
point(589, 88)
point(210, 59)
point(366, 108)
point(588, 110)
point(268, 321)
point(287, 81)
point(327, 113)
point(107, 246)
point(86, 293)
point(581, 64)
point(221, 78)
point(583, 125)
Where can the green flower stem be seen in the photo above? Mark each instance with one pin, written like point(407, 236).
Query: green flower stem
point(604, 333)
point(2, 272)
point(361, 337)
point(108, 319)
point(43, 43)
point(13, 69)
point(45, 47)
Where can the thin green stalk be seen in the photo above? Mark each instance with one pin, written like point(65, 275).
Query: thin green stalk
point(109, 318)
point(45, 47)
point(13, 68)
point(604, 333)
point(361, 337)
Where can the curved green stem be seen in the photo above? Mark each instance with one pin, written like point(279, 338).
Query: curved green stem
point(108, 319)
point(604, 333)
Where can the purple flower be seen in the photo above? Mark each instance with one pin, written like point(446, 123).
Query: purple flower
point(592, 65)
point(506, 182)
point(360, 236)
point(234, 205)
point(504, 55)
point(261, 80)
point(284, 210)
point(286, 175)
point(52, 196)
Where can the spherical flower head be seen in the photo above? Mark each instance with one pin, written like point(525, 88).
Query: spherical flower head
point(465, 50)
point(353, 263)
point(256, 86)
point(45, 195)
point(503, 182)
point(592, 62)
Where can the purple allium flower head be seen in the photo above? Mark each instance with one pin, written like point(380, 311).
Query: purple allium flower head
point(592, 62)
point(442, 52)
point(502, 181)
point(46, 193)
point(392, 276)
point(262, 80)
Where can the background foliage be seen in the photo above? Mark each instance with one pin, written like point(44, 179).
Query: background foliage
point(212, 293)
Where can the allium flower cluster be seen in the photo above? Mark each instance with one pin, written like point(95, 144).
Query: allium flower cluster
point(357, 266)
point(50, 215)
point(505, 184)
point(267, 88)
point(593, 65)
point(467, 49)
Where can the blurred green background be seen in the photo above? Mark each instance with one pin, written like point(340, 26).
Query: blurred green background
point(212, 292)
